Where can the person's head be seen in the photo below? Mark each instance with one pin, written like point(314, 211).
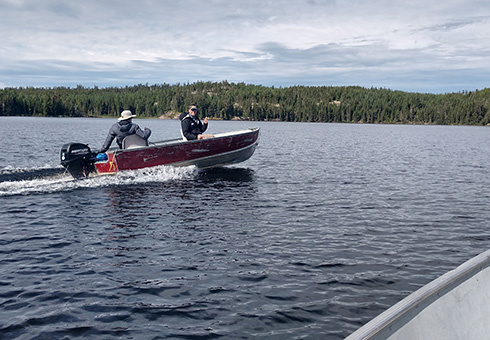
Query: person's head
point(126, 115)
point(193, 110)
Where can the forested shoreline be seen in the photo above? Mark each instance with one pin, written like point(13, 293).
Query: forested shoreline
point(224, 100)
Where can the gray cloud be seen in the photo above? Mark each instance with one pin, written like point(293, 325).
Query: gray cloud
point(425, 46)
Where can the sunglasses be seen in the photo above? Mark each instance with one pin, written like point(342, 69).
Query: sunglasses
point(194, 110)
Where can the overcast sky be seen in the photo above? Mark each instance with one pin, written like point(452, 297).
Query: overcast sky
point(419, 46)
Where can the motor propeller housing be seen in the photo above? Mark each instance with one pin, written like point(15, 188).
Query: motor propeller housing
point(78, 159)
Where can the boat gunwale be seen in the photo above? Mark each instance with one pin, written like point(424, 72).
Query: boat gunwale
point(176, 141)
point(390, 321)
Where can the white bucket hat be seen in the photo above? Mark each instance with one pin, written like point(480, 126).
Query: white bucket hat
point(126, 114)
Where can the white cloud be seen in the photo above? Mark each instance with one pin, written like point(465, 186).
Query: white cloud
point(418, 45)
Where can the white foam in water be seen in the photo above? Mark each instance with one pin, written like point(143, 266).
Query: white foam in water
point(66, 182)
point(9, 169)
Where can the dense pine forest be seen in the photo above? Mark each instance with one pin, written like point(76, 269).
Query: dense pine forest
point(224, 100)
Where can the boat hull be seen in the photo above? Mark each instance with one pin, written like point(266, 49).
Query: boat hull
point(223, 149)
point(454, 306)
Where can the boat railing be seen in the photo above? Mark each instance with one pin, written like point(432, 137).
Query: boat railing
point(430, 311)
point(180, 140)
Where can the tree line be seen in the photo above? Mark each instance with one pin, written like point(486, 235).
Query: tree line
point(224, 100)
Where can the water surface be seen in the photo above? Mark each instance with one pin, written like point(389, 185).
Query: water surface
point(325, 227)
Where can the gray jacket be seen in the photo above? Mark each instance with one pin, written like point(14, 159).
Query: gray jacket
point(122, 129)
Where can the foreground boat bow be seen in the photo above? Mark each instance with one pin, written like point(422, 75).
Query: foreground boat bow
point(452, 307)
point(221, 150)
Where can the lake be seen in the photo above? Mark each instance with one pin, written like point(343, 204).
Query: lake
point(325, 227)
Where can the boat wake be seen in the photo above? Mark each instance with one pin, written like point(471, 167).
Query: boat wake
point(8, 175)
point(48, 180)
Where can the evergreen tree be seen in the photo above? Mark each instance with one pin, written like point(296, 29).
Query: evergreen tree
point(225, 100)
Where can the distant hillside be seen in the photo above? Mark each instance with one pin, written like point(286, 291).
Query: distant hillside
point(223, 100)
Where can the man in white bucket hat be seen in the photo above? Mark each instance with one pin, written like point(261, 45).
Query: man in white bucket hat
point(123, 128)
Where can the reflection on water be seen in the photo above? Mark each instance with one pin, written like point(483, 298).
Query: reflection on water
point(226, 175)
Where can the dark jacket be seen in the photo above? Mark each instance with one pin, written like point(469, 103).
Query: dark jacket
point(192, 126)
point(122, 129)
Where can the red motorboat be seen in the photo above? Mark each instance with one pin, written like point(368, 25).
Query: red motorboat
point(223, 149)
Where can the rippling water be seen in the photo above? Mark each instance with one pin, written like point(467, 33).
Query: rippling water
point(325, 227)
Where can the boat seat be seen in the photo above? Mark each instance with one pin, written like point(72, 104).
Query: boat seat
point(182, 134)
point(133, 141)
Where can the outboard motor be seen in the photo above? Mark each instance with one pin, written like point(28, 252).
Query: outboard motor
point(78, 159)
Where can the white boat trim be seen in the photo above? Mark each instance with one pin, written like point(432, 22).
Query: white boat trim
point(216, 136)
point(454, 306)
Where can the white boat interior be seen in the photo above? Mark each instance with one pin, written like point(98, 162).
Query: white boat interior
point(136, 142)
point(455, 306)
